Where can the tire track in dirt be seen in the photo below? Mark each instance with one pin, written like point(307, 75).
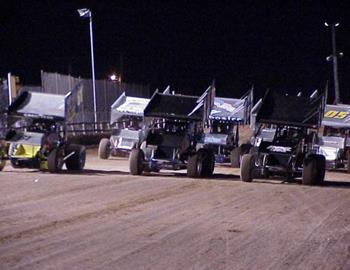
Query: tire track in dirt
point(109, 210)
point(55, 193)
point(318, 241)
point(76, 248)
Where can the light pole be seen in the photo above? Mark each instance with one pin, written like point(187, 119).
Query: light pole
point(334, 57)
point(84, 13)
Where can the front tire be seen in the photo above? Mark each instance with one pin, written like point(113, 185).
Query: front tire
point(314, 170)
point(208, 162)
point(2, 160)
point(235, 157)
point(136, 159)
point(247, 166)
point(104, 148)
point(194, 166)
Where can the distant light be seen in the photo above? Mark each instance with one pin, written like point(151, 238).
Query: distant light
point(336, 24)
point(341, 54)
point(84, 12)
point(115, 78)
point(326, 24)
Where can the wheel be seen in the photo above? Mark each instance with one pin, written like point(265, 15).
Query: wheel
point(201, 164)
point(55, 161)
point(348, 161)
point(194, 166)
point(321, 168)
point(104, 148)
point(314, 170)
point(235, 157)
point(245, 148)
point(247, 165)
point(76, 161)
point(2, 160)
point(208, 161)
point(136, 159)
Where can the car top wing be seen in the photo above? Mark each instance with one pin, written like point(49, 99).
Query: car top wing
point(173, 106)
point(127, 106)
point(38, 105)
point(73, 102)
point(229, 109)
point(337, 116)
point(300, 111)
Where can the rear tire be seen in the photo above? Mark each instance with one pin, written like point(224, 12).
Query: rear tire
point(314, 170)
point(247, 166)
point(348, 161)
point(208, 161)
point(76, 162)
point(2, 160)
point(194, 166)
point(136, 159)
point(104, 148)
point(55, 161)
point(235, 157)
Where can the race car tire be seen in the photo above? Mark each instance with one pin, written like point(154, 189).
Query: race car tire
point(55, 161)
point(194, 166)
point(136, 159)
point(321, 168)
point(104, 148)
point(348, 161)
point(247, 166)
point(208, 161)
point(314, 170)
point(235, 157)
point(75, 162)
point(2, 160)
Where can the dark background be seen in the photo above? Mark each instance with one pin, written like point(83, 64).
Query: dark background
point(271, 44)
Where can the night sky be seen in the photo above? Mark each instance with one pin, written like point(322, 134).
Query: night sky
point(271, 44)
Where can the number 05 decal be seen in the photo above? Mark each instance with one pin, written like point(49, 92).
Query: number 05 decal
point(336, 114)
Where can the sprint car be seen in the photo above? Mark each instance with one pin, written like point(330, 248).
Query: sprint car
point(285, 139)
point(126, 121)
point(173, 128)
point(36, 133)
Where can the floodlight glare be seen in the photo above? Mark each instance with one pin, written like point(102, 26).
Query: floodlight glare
point(84, 12)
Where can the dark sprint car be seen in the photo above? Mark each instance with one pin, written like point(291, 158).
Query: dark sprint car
point(285, 139)
point(335, 142)
point(225, 119)
point(36, 136)
point(126, 121)
point(173, 127)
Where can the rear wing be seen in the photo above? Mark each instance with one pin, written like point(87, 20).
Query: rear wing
point(73, 102)
point(173, 106)
point(39, 106)
point(231, 109)
point(337, 116)
point(127, 106)
point(283, 109)
point(54, 107)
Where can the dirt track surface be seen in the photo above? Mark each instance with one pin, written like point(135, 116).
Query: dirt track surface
point(105, 218)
